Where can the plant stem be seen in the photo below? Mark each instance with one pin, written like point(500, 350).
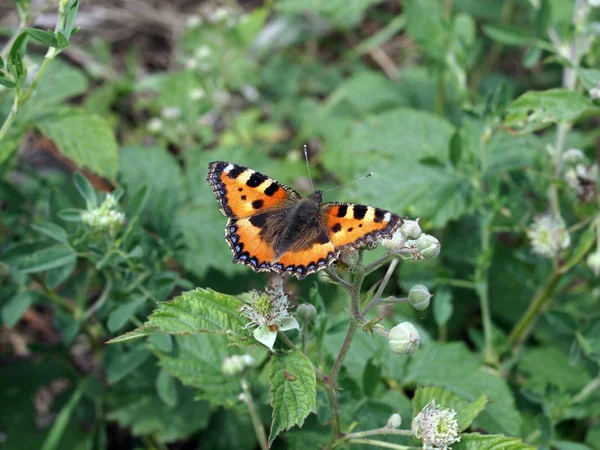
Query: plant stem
point(522, 329)
point(587, 390)
point(329, 271)
point(304, 333)
point(381, 444)
point(256, 422)
point(20, 99)
point(482, 288)
point(378, 431)
point(359, 276)
point(384, 282)
point(100, 302)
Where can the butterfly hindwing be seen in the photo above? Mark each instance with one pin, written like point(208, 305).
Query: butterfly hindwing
point(351, 225)
point(243, 192)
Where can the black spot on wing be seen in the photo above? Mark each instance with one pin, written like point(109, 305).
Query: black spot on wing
point(256, 179)
point(360, 211)
point(337, 227)
point(342, 210)
point(259, 220)
point(322, 238)
point(243, 197)
point(257, 204)
point(379, 214)
point(236, 172)
point(273, 187)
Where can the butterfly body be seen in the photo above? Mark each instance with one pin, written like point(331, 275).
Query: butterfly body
point(272, 228)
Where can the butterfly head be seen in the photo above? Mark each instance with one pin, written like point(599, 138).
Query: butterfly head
point(317, 196)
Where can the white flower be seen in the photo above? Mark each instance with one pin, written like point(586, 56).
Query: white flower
point(237, 364)
point(268, 314)
point(582, 180)
point(595, 91)
point(548, 236)
point(197, 93)
point(436, 427)
point(193, 22)
point(104, 218)
point(203, 52)
point(171, 113)
point(219, 14)
point(154, 125)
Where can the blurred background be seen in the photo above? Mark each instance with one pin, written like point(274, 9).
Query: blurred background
point(419, 92)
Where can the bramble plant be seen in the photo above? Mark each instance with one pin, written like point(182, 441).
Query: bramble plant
point(125, 323)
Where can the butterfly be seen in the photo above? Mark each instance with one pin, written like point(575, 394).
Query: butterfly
point(272, 228)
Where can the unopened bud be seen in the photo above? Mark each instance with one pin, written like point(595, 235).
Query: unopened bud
point(394, 421)
point(411, 229)
point(404, 338)
point(573, 156)
point(306, 312)
point(593, 262)
point(395, 243)
point(419, 297)
point(428, 246)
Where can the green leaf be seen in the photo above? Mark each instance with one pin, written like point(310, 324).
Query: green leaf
point(45, 37)
point(538, 109)
point(54, 277)
point(568, 445)
point(121, 315)
point(196, 360)
point(70, 214)
point(122, 363)
point(166, 388)
point(465, 412)
point(138, 201)
point(86, 139)
point(508, 35)
point(13, 309)
point(476, 441)
point(61, 40)
point(53, 440)
point(426, 24)
point(7, 83)
point(460, 371)
point(135, 403)
point(49, 258)
point(197, 311)
point(14, 62)
point(442, 306)
point(86, 190)
point(380, 37)
point(52, 230)
point(293, 391)
point(590, 78)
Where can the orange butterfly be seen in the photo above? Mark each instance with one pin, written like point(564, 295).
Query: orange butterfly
point(271, 228)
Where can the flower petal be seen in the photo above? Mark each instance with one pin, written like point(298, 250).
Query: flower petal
point(289, 323)
point(265, 336)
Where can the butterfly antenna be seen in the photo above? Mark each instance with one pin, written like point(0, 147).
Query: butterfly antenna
point(308, 167)
point(351, 182)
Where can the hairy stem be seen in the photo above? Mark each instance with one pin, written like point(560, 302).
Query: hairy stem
point(587, 390)
point(380, 444)
point(384, 282)
point(359, 277)
point(259, 429)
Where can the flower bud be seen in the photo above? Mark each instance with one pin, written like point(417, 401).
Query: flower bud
point(419, 297)
point(573, 156)
point(306, 312)
point(394, 421)
point(593, 262)
point(411, 229)
point(404, 338)
point(237, 364)
point(428, 246)
point(395, 243)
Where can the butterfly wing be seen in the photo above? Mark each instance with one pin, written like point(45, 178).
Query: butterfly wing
point(256, 206)
point(243, 192)
point(353, 226)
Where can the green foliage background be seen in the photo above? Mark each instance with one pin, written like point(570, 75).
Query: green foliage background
point(460, 108)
